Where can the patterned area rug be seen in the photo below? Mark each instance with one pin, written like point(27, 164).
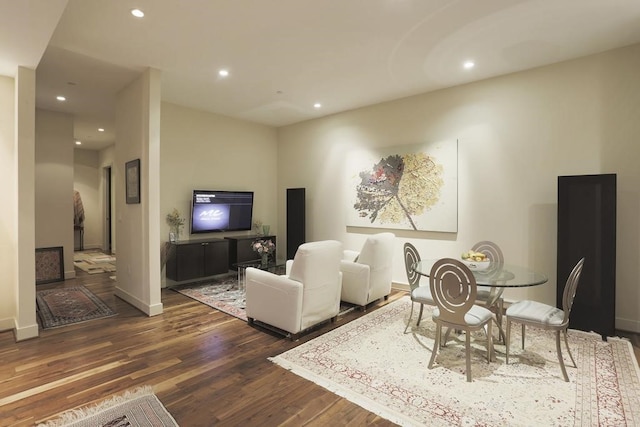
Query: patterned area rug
point(225, 295)
point(64, 306)
point(94, 261)
point(371, 362)
point(139, 407)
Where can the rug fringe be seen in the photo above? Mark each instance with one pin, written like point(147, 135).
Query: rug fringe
point(77, 414)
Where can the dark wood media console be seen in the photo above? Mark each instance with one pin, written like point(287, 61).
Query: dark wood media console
point(195, 259)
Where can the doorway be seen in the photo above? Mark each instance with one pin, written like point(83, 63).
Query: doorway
point(108, 245)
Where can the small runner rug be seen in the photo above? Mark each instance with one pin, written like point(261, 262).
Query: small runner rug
point(224, 294)
point(139, 407)
point(64, 306)
point(373, 363)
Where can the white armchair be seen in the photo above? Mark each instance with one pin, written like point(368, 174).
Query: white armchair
point(367, 275)
point(307, 295)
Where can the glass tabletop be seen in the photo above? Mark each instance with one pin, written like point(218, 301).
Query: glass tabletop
point(496, 275)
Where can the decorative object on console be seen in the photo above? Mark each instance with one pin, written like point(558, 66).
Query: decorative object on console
point(175, 221)
point(407, 187)
point(264, 247)
point(266, 229)
point(257, 225)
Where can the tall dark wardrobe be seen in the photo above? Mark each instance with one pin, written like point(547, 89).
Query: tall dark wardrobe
point(587, 228)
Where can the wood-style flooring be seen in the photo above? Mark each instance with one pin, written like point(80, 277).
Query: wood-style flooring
point(207, 368)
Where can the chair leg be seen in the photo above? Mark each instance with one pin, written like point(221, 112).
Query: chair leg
point(523, 336)
point(489, 343)
point(420, 315)
point(467, 342)
point(566, 342)
point(507, 340)
point(560, 359)
point(436, 345)
point(410, 315)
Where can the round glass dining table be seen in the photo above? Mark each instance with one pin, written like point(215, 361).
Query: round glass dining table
point(497, 276)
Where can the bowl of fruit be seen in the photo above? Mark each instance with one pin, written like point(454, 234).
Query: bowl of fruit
point(475, 260)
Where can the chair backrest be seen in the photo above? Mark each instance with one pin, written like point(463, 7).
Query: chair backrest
point(377, 251)
point(453, 288)
point(411, 256)
point(493, 252)
point(570, 288)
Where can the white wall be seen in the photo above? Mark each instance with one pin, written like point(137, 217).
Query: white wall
point(86, 180)
point(516, 135)
point(8, 218)
point(206, 151)
point(54, 184)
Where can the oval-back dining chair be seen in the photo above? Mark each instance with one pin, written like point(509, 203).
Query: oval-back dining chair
point(492, 298)
point(454, 291)
point(544, 316)
point(419, 294)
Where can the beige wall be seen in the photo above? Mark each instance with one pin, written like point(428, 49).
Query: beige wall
point(8, 217)
point(206, 151)
point(86, 180)
point(54, 184)
point(516, 134)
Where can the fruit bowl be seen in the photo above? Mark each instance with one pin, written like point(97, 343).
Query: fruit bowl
point(477, 265)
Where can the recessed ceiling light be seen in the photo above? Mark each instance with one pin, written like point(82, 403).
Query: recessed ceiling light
point(61, 98)
point(137, 13)
point(78, 142)
point(100, 129)
point(223, 73)
point(317, 105)
point(468, 65)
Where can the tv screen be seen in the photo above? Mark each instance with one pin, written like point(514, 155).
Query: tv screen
point(213, 211)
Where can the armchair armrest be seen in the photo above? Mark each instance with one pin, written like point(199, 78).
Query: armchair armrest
point(275, 300)
point(355, 282)
point(349, 255)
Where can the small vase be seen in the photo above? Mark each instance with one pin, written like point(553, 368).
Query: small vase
point(265, 230)
point(265, 260)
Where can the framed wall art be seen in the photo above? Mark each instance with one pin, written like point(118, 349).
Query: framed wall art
point(132, 181)
point(411, 187)
point(49, 265)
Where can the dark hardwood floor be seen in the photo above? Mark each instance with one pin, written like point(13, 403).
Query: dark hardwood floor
point(207, 368)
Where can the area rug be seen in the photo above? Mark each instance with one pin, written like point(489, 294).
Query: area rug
point(371, 362)
point(94, 262)
point(139, 407)
point(225, 295)
point(64, 306)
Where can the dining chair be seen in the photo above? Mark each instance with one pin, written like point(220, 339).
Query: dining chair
point(454, 291)
point(419, 294)
point(488, 297)
point(544, 316)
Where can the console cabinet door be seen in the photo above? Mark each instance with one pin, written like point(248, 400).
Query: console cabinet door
point(216, 257)
point(190, 261)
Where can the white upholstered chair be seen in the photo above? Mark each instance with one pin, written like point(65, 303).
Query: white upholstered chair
point(454, 290)
point(367, 275)
point(308, 294)
point(544, 316)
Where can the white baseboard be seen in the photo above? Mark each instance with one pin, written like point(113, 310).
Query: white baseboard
point(26, 332)
point(149, 310)
point(628, 325)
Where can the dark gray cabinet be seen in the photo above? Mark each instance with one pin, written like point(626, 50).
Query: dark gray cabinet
point(240, 249)
point(194, 259)
point(587, 228)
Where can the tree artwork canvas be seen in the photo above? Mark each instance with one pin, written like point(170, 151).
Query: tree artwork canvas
point(411, 187)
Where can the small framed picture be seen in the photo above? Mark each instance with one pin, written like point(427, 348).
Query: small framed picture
point(49, 265)
point(132, 183)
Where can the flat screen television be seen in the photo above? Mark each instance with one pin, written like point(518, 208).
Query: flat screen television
point(213, 211)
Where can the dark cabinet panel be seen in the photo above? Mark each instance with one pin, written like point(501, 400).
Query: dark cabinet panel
point(240, 249)
point(197, 258)
point(587, 228)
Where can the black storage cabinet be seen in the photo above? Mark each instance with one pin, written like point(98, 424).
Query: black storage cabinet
point(587, 228)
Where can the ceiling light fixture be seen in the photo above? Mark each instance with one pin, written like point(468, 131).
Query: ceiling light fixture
point(61, 98)
point(137, 13)
point(223, 73)
point(100, 129)
point(468, 65)
point(78, 142)
point(317, 105)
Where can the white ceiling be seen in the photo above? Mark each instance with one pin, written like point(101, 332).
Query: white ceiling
point(285, 55)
